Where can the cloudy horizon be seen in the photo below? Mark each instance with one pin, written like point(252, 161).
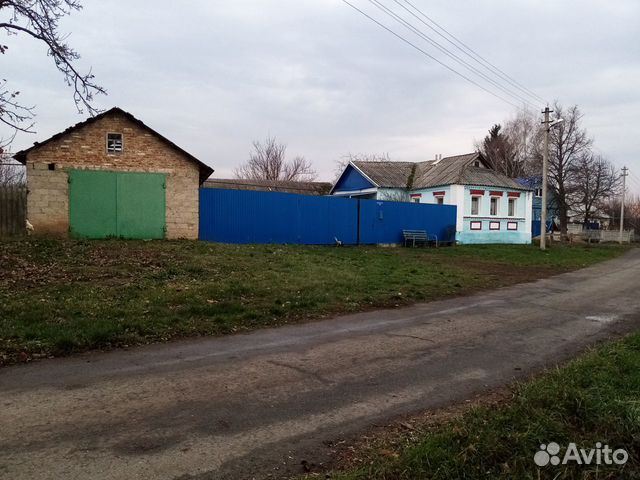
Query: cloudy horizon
point(323, 79)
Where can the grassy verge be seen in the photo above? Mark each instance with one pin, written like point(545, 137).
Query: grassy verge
point(58, 297)
point(593, 399)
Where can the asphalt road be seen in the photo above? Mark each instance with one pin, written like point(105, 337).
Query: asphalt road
point(254, 405)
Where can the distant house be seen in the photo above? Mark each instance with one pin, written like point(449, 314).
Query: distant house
point(535, 184)
point(491, 208)
point(303, 188)
point(113, 176)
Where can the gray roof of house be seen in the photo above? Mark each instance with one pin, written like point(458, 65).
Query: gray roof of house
point(386, 174)
point(454, 170)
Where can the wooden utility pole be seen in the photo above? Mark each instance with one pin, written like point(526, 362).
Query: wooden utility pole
point(625, 172)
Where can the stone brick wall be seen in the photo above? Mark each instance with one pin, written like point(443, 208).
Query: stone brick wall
point(85, 148)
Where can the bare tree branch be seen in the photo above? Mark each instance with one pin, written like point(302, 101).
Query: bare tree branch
point(268, 162)
point(568, 144)
point(40, 19)
point(501, 152)
point(11, 172)
point(343, 161)
point(595, 181)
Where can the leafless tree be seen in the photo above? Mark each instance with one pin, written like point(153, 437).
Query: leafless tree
point(395, 196)
point(498, 149)
point(510, 147)
point(631, 212)
point(343, 161)
point(595, 181)
point(523, 131)
point(268, 162)
point(11, 172)
point(568, 143)
point(39, 19)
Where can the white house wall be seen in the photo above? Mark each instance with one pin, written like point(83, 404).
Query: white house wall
point(499, 228)
point(460, 196)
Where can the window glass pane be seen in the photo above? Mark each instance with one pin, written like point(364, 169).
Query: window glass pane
point(114, 142)
point(512, 207)
point(474, 205)
point(494, 206)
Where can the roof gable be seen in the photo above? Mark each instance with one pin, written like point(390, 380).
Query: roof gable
point(352, 179)
point(205, 170)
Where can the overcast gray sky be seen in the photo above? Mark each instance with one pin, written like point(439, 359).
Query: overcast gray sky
point(215, 75)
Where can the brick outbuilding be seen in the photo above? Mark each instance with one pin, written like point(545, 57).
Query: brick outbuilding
point(113, 176)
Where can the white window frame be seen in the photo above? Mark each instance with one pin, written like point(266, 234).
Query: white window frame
point(115, 152)
point(512, 202)
point(494, 201)
point(475, 198)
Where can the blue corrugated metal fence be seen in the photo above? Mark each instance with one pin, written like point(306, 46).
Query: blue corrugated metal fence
point(383, 222)
point(240, 216)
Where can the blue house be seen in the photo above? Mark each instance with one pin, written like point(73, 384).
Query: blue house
point(492, 208)
point(534, 183)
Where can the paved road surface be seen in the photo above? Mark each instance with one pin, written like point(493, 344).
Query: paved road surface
point(249, 405)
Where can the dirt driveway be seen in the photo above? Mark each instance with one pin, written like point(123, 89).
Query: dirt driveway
point(249, 406)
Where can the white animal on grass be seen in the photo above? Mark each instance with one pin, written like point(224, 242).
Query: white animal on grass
point(29, 227)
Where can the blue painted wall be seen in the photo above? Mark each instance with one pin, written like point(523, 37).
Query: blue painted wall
point(240, 216)
point(535, 183)
point(536, 227)
point(352, 180)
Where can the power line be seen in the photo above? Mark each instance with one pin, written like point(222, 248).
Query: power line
point(460, 45)
point(450, 54)
point(408, 42)
point(491, 71)
point(634, 178)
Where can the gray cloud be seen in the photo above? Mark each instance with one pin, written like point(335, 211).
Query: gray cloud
point(214, 76)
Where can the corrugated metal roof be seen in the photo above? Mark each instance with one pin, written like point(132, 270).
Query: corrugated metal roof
point(458, 169)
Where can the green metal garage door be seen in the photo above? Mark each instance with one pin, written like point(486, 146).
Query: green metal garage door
point(116, 204)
